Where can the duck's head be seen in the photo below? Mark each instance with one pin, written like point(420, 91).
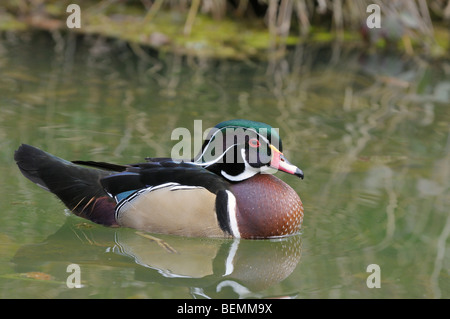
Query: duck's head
point(239, 149)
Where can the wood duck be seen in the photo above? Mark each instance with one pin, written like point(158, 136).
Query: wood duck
point(227, 190)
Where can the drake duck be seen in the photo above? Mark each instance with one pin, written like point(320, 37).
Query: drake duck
point(227, 190)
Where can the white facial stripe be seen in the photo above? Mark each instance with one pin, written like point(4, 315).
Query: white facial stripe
point(264, 138)
point(206, 164)
point(211, 139)
point(209, 142)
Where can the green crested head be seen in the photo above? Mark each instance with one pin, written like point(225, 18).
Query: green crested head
point(239, 149)
point(261, 128)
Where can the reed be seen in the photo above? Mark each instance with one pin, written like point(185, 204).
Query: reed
point(284, 16)
point(405, 22)
point(410, 23)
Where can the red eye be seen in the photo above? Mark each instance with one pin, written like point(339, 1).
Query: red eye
point(254, 143)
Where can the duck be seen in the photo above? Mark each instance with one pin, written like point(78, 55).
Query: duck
point(228, 190)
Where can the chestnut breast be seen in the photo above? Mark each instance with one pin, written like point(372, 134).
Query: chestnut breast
point(267, 207)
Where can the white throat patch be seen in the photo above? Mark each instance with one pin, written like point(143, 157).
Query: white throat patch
point(248, 172)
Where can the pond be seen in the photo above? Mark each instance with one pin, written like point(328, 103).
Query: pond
point(370, 131)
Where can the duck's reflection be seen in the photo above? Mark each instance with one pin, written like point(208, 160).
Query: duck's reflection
point(209, 267)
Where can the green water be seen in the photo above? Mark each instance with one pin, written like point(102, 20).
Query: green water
point(370, 132)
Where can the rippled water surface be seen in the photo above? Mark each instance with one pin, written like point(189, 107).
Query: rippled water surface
point(371, 133)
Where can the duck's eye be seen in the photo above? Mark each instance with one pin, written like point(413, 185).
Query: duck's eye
point(254, 143)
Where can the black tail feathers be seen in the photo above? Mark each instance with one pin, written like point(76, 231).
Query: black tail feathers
point(78, 187)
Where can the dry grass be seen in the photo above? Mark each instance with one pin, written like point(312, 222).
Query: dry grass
point(282, 16)
point(408, 23)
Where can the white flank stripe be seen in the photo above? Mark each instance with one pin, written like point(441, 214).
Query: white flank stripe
point(184, 187)
point(129, 199)
point(231, 208)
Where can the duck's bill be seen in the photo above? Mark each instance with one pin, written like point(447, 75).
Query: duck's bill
point(280, 163)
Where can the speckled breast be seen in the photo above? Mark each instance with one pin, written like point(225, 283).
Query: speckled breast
point(268, 207)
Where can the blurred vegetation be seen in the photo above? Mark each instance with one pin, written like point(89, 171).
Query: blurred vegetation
point(242, 29)
point(370, 130)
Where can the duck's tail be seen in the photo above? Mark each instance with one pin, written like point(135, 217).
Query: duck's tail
point(78, 187)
